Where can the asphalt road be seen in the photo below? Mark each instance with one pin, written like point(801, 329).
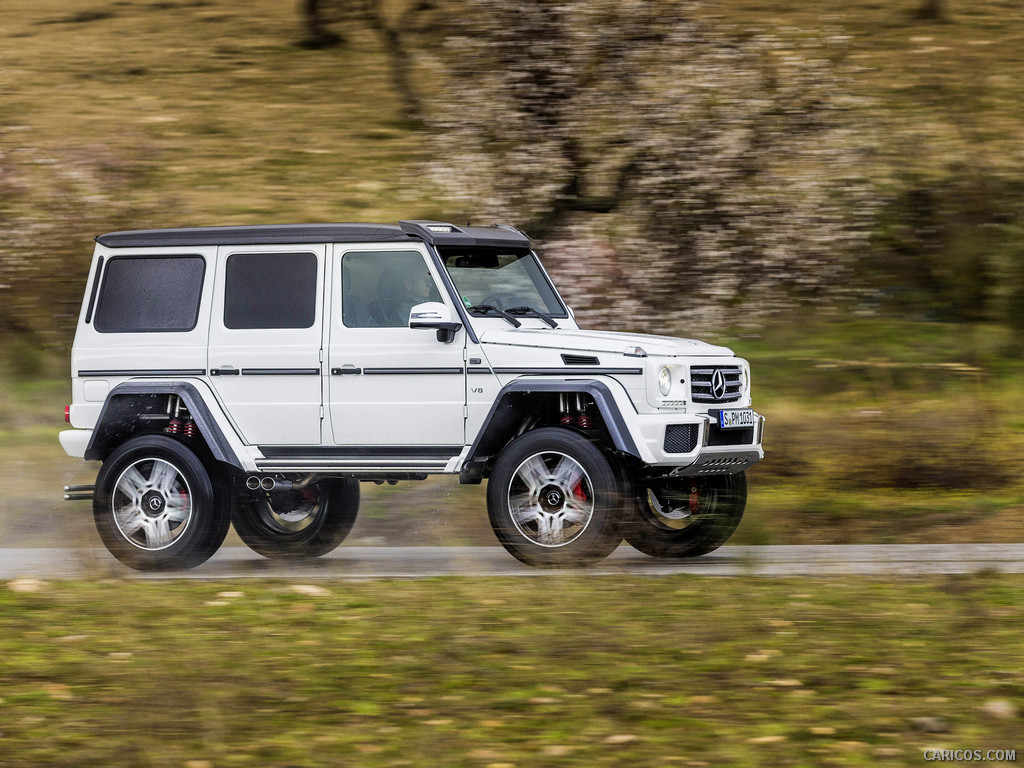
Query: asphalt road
point(356, 562)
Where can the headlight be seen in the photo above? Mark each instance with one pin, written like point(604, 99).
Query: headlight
point(664, 381)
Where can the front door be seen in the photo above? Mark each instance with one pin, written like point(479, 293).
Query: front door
point(393, 390)
point(265, 342)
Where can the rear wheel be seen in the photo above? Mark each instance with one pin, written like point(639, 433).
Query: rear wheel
point(554, 501)
point(687, 516)
point(155, 506)
point(297, 523)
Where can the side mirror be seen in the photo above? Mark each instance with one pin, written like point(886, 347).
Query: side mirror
point(436, 316)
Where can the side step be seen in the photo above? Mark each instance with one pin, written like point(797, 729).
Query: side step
point(79, 492)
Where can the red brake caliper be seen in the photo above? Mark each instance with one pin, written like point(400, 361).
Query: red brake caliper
point(578, 491)
point(694, 499)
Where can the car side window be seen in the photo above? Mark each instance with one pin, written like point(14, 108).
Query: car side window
point(378, 288)
point(150, 294)
point(270, 290)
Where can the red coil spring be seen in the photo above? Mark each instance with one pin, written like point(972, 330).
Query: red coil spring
point(567, 420)
point(190, 430)
point(173, 427)
point(584, 420)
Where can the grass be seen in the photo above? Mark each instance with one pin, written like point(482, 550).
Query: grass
point(214, 107)
point(945, 94)
point(463, 672)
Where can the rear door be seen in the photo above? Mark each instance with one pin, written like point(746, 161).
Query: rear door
point(265, 341)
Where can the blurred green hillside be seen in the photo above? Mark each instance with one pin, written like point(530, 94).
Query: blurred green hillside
point(891, 374)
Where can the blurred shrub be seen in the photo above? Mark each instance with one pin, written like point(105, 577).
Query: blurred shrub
point(25, 360)
point(952, 443)
point(952, 248)
point(51, 207)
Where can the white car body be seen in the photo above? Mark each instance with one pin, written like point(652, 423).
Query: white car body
point(261, 369)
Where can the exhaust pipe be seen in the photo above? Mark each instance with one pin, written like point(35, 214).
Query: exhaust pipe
point(268, 483)
point(79, 492)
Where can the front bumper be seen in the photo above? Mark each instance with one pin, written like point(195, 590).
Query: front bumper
point(696, 445)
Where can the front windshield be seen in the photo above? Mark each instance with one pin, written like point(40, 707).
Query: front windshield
point(502, 279)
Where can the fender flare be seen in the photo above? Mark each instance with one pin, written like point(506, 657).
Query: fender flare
point(499, 418)
point(109, 425)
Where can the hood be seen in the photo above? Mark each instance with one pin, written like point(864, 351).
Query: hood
point(602, 341)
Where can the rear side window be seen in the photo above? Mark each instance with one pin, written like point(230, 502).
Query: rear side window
point(270, 290)
point(146, 294)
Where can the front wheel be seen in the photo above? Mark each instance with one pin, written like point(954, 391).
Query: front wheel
point(554, 500)
point(686, 516)
point(300, 522)
point(155, 506)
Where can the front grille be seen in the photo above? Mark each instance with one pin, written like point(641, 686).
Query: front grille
point(718, 437)
point(703, 379)
point(681, 438)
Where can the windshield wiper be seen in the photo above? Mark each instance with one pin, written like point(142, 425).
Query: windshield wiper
point(532, 311)
point(483, 309)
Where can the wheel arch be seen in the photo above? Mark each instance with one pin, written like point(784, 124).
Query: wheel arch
point(129, 410)
point(522, 397)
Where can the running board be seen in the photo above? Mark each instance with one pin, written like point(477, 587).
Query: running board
point(368, 466)
point(79, 492)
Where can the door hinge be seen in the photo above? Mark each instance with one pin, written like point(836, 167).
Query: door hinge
point(465, 353)
point(321, 355)
point(321, 413)
point(465, 411)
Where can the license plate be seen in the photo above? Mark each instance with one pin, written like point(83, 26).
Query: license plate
point(737, 419)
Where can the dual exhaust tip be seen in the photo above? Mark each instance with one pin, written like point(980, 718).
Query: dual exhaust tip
point(255, 483)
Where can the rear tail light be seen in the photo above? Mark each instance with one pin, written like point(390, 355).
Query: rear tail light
point(67, 414)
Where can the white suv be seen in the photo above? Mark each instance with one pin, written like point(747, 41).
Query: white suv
point(255, 375)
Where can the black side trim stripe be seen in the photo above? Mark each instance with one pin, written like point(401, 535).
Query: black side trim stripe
point(360, 451)
point(169, 372)
point(280, 371)
point(570, 371)
point(411, 371)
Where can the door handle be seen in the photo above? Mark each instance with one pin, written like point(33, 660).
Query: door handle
point(345, 371)
point(224, 372)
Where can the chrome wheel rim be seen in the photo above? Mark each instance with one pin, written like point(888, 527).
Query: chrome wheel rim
point(679, 509)
point(152, 504)
point(551, 499)
point(290, 518)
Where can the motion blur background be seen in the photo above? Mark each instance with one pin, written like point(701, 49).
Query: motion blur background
point(831, 188)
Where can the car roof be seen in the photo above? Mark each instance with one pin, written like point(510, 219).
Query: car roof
point(433, 232)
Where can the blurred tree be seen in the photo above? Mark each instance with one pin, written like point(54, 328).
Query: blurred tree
point(718, 166)
point(322, 15)
point(933, 10)
point(318, 33)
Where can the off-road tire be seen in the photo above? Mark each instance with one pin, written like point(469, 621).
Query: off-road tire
point(297, 524)
point(554, 500)
point(155, 506)
point(686, 516)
